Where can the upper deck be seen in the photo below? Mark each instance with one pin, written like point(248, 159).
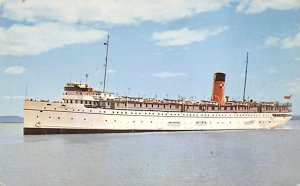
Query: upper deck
point(81, 93)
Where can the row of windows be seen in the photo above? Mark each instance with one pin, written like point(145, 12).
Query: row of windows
point(201, 122)
point(177, 114)
point(203, 108)
point(81, 102)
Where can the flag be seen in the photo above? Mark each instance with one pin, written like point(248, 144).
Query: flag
point(287, 97)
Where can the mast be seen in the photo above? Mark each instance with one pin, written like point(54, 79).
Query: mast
point(105, 66)
point(245, 83)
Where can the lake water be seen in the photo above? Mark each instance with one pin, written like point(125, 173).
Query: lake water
point(252, 157)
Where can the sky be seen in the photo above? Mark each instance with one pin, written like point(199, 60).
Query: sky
point(157, 48)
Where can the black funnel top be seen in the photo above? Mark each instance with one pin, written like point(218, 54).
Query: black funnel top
point(219, 76)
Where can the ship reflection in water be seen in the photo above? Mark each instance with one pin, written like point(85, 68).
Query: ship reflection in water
point(246, 157)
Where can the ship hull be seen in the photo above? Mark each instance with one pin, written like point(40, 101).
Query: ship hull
point(58, 118)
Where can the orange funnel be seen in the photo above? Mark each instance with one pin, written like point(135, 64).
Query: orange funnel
point(218, 87)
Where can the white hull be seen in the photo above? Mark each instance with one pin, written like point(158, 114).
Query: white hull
point(39, 116)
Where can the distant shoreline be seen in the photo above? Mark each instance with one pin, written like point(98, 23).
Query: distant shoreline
point(11, 119)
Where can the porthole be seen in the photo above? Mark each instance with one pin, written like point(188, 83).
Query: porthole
point(49, 117)
point(84, 119)
point(58, 118)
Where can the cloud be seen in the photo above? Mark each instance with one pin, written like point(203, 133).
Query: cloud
point(13, 97)
point(168, 74)
point(42, 37)
point(257, 6)
point(272, 41)
point(106, 11)
point(111, 71)
point(272, 71)
point(291, 42)
point(14, 70)
point(297, 58)
point(184, 36)
point(287, 42)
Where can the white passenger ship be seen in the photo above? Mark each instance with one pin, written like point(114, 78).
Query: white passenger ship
point(83, 109)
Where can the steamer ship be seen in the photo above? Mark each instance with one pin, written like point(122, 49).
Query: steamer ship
point(83, 109)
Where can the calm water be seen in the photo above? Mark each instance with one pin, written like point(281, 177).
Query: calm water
point(257, 157)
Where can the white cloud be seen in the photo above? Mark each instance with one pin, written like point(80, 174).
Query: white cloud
point(272, 41)
point(33, 40)
point(297, 58)
point(13, 97)
point(291, 42)
point(287, 42)
point(184, 36)
point(106, 11)
point(272, 71)
point(257, 6)
point(14, 70)
point(167, 74)
point(111, 71)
